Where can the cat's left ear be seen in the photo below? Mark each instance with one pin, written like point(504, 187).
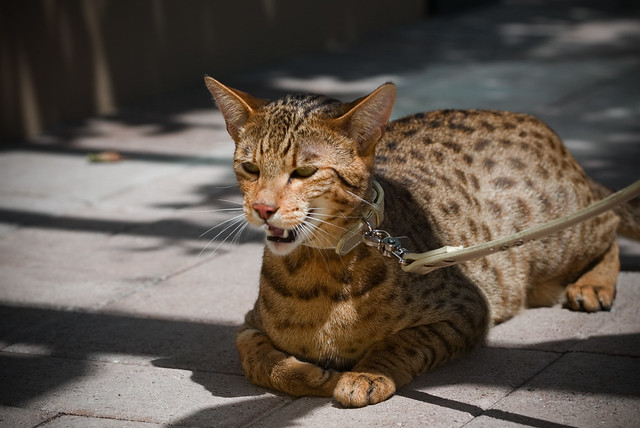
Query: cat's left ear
point(367, 117)
point(236, 106)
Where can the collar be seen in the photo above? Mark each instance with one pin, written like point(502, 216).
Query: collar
point(371, 218)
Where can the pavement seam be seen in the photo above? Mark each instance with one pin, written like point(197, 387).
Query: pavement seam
point(150, 283)
point(270, 412)
point(506, 416)
point(491, 412)
point(47, 420)
point(571, 350)
point(109, 418)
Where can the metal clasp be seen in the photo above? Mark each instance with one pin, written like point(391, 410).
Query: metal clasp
point(388, 245)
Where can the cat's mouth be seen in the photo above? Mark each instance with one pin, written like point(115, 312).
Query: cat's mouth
point(283, 236)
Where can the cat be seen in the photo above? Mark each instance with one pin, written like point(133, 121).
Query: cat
point(354, 325)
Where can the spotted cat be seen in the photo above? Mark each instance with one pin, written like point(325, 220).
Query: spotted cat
point(351, 324)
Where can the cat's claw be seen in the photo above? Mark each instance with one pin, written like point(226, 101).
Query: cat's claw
point(361, 389)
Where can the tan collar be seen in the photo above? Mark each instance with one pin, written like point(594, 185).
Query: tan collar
point(371, 218)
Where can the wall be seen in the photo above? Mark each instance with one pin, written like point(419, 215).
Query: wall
point(67, 59)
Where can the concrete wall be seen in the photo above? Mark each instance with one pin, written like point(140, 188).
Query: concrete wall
point(67, 59)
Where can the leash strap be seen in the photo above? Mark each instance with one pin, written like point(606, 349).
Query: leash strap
point(422, 263)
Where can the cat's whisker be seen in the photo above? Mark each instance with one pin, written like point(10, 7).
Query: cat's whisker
point(314, 214)
point(326, 222)
point(361, 199)
point(216, 248)
point(230, 201)
point(239, 228)
point(212, 210)
point(237, 221)
point(308, 230)
point(311, 230)
point(317, 214)
point(231, 219)
point(317, 228)
point(230, 223)
point(238, 234)
point(317, 209)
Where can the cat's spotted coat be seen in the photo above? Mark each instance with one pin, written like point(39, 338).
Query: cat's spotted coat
point(357, 327)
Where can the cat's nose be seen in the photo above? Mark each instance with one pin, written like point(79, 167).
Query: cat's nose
point(265, 211)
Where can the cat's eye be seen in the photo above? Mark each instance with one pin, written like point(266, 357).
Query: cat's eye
point(304, 172)
point(251, 168)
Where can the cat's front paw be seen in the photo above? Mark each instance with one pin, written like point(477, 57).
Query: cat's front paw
point(361, 389)
point(300, 378)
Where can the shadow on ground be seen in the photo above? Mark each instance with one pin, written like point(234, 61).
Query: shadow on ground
point(66, 342)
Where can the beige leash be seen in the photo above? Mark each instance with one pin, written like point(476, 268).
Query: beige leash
point(423, 263)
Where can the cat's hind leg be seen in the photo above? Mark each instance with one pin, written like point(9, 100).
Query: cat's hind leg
point(596, 288)
point(266, 366)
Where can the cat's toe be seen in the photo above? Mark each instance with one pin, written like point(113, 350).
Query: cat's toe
point(589, 298)
point(362, 389)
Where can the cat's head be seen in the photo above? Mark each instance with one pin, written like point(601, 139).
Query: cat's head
point(303, 162)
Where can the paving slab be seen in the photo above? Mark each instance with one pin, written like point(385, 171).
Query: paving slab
point(88, 269)
point(188, 321)
point(401, 411)
point(561, 330)
point(449, 396)
point(584, 390)
point(22, 418)
point(78, 288)
point(180, 191)
point(98, 256)
point(481, 379)
point(208, 347)
point(129, 392)
point(220, 289)
point(71, 177)
point(65, 421)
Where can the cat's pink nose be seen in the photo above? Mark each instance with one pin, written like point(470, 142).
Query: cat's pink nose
point(265, 211)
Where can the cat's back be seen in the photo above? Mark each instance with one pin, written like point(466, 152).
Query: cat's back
point(501, 166)
point(475, 175)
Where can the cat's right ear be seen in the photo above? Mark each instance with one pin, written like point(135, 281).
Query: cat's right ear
point(236, 106)
point(367, 117)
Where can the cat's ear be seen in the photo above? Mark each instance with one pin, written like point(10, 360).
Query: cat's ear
point(367, 117)
point(236, 106)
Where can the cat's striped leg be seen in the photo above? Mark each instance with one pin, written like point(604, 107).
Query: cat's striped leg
point(399, 358)
point(266, 366)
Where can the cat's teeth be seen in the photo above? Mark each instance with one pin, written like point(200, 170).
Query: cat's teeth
point(280, 235)
point(276, 231)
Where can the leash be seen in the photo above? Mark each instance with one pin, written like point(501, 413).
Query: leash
point(422, 263)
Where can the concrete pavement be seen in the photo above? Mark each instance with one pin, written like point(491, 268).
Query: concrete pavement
point(119, 303)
